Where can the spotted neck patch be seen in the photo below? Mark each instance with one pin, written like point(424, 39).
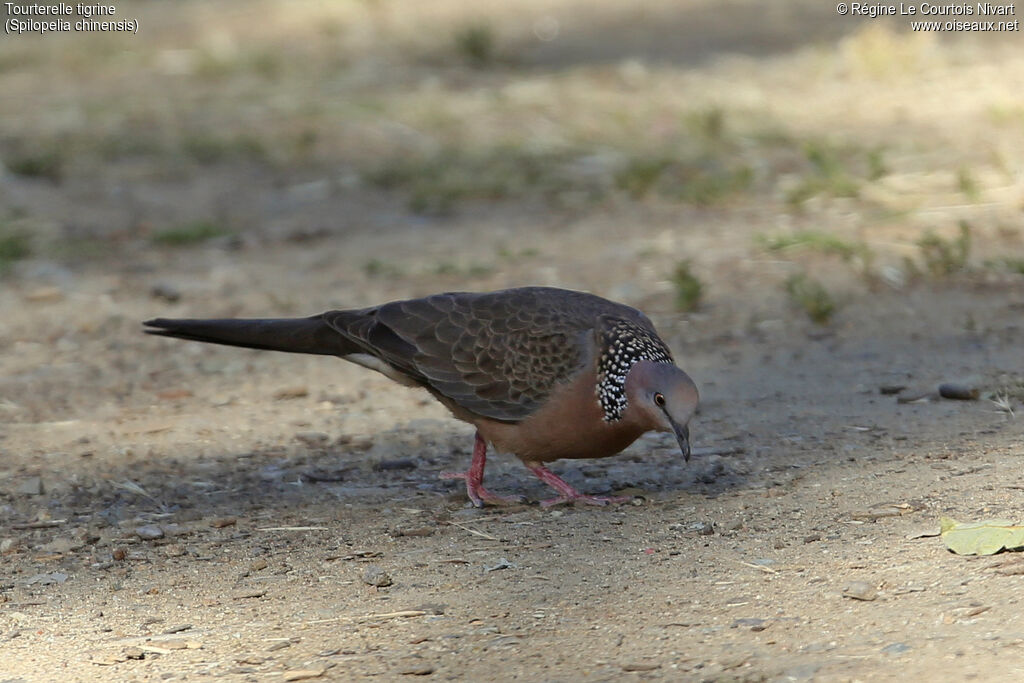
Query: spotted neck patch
point(623, 343)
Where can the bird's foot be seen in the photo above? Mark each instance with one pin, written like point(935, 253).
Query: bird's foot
point(478, 494)
point(567, 494)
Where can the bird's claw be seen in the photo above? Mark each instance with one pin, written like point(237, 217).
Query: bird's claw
point(478, 494)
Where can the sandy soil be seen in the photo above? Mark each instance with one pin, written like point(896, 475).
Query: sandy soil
point(171, 511)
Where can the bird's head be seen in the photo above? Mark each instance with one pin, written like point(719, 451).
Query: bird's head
point(663, 398)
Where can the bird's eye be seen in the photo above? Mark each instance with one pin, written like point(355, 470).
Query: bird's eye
point(659, 400)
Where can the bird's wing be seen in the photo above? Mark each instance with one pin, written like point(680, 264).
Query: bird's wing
point(498, 355)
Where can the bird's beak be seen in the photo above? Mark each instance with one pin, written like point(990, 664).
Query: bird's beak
point(683, 436)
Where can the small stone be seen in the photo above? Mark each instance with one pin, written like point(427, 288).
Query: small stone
point(222, 522)
point(165, 292)
point(812, 538)
point(48, 579)
point(704, 528)
point(245, 595)
point(288, 393)
point(8, 545)
point(896, 649)
point(149, 532)
point(61, 546)
point(174, 550)
point(375, 576)
point(891, 389)
point(313, 439)
point(119, 554)
point(958, 392)
point(45, 295)
point(31, 486)
point(258, 565)
point(860, 590)
point(134, 653)
point(753, 623)
point(279, 645)
point(417, 669)
point(640, 666)
point(302, 674)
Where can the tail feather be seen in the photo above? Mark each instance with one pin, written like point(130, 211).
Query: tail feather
point(294, 335)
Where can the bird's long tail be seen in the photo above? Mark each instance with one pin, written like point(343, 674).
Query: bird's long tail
point(295, 335)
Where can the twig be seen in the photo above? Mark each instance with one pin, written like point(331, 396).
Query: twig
point(39, 525)
point(766, 570)
point(481, 534)
point(401, 614)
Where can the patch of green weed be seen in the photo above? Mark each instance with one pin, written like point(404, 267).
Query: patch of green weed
point(190, 233)
point(687, 286)
point(942, 257)
point(812, 297)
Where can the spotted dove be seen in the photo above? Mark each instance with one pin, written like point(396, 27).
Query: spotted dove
point(541, 373)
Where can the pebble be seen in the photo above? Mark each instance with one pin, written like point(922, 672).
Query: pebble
point(958, 392)
point(753, 623)
point(165, 292)
point(287, 393)
point(279, 645)
point(222, 522)
point(860, 590)
point(416, 669)
point(704, 528)
point(313, 439)
point(640, 666)
point(149, 532)
point(302, 674)
point(375, 576)
point(896, 649)
point(45, 295)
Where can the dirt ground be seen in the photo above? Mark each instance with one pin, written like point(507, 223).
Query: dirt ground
point(173, 511)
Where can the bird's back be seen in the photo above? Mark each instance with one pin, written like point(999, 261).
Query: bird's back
point(497, 354)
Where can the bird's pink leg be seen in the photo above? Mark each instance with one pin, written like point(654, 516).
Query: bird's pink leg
point(567, 493)
point(474, 477)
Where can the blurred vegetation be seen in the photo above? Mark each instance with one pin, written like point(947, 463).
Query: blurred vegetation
point(190, 233)
point(811, 297)
point(14, 245)
point(823, 151)
point(688, 288)
point(943, 257)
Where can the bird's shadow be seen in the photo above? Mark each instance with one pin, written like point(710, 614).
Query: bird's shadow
point(400, 466)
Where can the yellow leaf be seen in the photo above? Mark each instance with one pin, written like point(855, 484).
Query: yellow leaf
point(981, 538)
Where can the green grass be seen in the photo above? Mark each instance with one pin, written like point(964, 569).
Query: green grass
point(476, 44)
point(828, 174)
point(14, 246)
point(375, 268)
point(812, 297)
point(190, 234)
point(688, 288)
point(812, 240)
point(38, 163)
point(702, 182)
point(213, 149)
point(943, 257)
point(967, 184)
